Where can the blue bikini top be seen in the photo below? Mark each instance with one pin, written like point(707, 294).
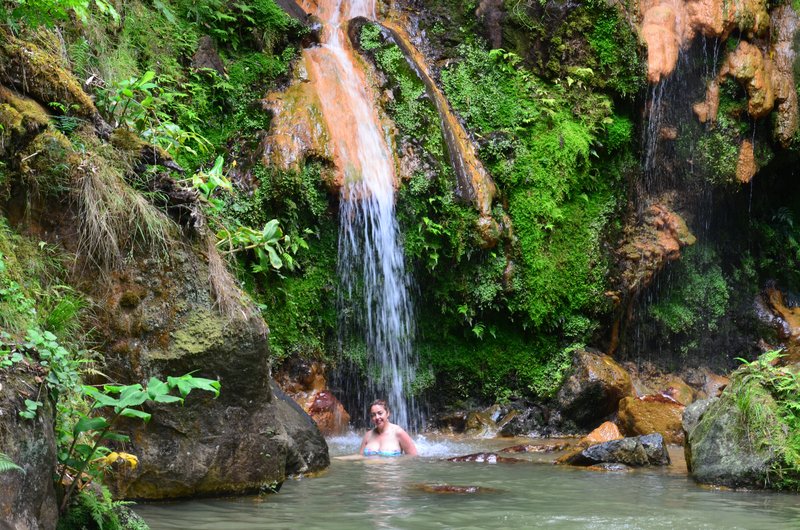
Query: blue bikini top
point(370, 452)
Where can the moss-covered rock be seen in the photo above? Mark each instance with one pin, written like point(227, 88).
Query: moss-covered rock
point(237, 443)
point(35, 72)
point(749, 438)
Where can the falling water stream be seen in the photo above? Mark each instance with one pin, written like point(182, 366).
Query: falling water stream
point(374, 296)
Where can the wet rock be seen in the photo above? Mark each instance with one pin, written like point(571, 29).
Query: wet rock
point(480, 424)
point(663, 42)
point(780, 314)
point(328, 412)
point(604, 433)
point(651, 414)
point(707, 110)
point(670, 25)
point(522, 422)
point(304, 381)
point(747, 65)
point(451, 488)
point(488, 458)
point(610, 467)
point(593, 388)
point(650, 242)
point(537, 448)
point(298, 130)
point(636, 451)
point(491, 14)
point(27, 498)
point(207, 56)
point(647, 379)
point(455, 422)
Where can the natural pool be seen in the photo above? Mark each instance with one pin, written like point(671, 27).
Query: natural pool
point(384, 493)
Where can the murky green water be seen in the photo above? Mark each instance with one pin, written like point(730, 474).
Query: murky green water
point(384, 493)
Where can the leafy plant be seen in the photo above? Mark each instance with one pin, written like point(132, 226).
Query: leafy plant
point(141, 104)
point(116, 401)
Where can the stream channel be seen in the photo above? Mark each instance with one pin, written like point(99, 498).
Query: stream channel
point(386, 493)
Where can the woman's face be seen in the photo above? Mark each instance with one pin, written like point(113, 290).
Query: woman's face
point(379, 416)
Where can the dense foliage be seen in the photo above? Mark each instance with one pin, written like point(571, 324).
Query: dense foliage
point(766, 398)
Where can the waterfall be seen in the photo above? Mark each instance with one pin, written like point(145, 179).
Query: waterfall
point(374, 293)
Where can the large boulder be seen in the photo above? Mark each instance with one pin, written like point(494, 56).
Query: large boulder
point(593, 388)
point(161, 317)
point(739, 439)
point(652, 413)
point(27, 496)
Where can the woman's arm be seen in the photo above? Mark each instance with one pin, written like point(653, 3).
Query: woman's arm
point(406, 443)
point(363, 443)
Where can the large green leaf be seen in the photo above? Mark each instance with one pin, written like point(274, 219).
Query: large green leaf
point(89, 424)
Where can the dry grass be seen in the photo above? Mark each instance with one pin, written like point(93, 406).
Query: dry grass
point(230, 301)
point(113, 219)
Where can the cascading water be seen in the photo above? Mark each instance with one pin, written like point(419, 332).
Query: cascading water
point(374, 295)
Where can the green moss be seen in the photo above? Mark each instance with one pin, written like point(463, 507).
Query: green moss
point(203, 331)
point(503, 363)
point(696, 302)
point(619, 133)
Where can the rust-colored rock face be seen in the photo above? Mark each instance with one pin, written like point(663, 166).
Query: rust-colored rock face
point(670, 25)
point(764, 67)
point(328, 412)
point(775, 310)
point(748, 66)
point(706, 111)
point(650, 414)
point(784, 23)
point(298, 130)
point(650, 243)
point(605, 433)
point(660, 32)
point(746, 166)
point(305, 383)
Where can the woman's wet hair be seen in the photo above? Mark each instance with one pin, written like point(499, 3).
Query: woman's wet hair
point(380, 402)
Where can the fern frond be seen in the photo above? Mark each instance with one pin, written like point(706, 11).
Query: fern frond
point(6, 464)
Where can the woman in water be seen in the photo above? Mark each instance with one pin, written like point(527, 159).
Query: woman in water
point(386, 439)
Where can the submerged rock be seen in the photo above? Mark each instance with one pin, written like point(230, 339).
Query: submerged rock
point(609, 467)
point(538, 448)
point(488, 458)
point(450, 488)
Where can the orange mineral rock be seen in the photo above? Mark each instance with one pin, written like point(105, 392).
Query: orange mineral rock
point(746, 166)
point(748, 66)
